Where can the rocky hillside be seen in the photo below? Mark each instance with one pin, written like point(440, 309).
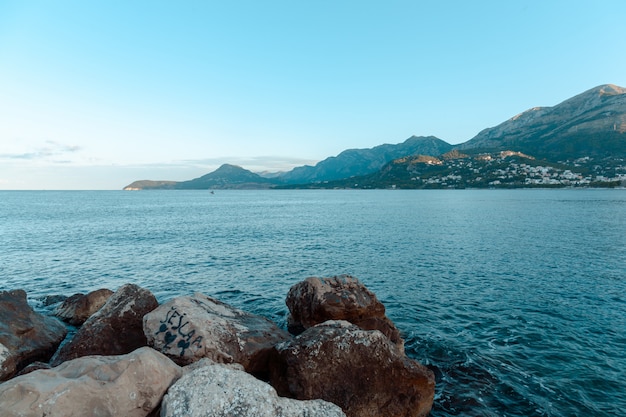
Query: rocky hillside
point(504, 169)
point(354, 162)
point(590, 124)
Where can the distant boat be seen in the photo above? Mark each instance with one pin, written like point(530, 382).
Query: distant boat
point(212, 192)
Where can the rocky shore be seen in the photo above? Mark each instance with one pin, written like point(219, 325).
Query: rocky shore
point(196, 356)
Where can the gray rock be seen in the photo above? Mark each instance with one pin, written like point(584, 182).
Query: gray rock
point(25, 336)
point(48, 300)
point(193, 327)
point(130, 385)
point(220, 391)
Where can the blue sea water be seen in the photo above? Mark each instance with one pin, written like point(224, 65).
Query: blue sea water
point(516, 299)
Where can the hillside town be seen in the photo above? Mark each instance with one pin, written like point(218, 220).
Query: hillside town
point(505, 169)
point(514, 169)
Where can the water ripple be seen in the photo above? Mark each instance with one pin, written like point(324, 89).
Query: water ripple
point(515, 299)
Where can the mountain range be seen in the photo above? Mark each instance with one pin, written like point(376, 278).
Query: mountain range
point(589, 125)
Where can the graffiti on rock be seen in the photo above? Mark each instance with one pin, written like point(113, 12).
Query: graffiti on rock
point(173, 329)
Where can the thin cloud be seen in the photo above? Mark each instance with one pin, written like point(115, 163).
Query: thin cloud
point(19, 156)
point(50, 150)
point(256, 163)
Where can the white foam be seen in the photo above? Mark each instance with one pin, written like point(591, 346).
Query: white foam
point(4, 355)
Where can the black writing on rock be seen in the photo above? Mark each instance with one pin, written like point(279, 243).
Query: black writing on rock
point(173, 329)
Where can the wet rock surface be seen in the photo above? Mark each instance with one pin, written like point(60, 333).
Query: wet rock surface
point(25, 335)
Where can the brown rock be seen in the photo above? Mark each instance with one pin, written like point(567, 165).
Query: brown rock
point(130, 385)
point(342, 297)
point(359, 370)
point(79, 307)
point(25, 336)
point(116, 328)
point(193, 327)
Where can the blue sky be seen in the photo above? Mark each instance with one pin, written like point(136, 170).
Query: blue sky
point(97, 94)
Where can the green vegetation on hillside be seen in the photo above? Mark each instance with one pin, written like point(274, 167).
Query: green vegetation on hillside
point(507, 169)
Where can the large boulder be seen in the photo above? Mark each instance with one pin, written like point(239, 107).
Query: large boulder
point(342, 297)
point(189, 328)
point(116, 328)
point(130, 385)
point(79, 307)
point(359, 370)
point(25, 336)
point(220, 391)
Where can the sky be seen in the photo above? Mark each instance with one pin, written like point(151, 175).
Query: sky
point(98, 94)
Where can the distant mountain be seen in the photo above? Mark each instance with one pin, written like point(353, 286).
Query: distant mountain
point(226, 176)
point(504, 169)
point(590, 124)
point(354, 162)
point(348, 163)
point(150, 185)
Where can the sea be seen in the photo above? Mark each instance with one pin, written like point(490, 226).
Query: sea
point(516, 299)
